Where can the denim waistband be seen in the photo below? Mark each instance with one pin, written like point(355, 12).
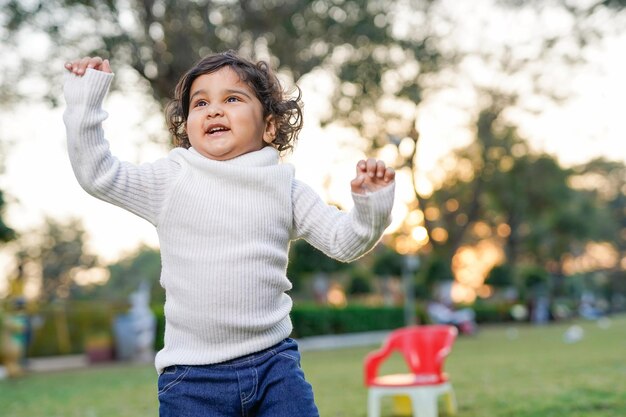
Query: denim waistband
point(255, 357)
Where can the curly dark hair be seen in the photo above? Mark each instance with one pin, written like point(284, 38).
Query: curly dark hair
point(287, 112)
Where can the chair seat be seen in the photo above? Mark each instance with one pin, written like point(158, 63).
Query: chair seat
point(407, 380)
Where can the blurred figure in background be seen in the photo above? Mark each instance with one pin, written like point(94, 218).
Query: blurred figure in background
point(14, 337)
point(441, 311)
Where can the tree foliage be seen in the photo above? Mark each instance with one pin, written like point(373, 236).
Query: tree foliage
point(125, 276)
point(605, 180)
point(55, 256)
point(498, 189)
point(387, 262)
point(6, 233)
point(385, 59)
point(305, 260)
point(160, 40)
point(500, 276)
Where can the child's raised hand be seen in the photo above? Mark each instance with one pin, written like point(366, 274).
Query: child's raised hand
point(371, 175)
point(79, 66)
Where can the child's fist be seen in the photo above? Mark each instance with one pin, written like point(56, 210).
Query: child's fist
point(371, 175)
point(79, 66)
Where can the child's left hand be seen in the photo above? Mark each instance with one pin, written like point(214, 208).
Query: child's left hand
point(371, 175)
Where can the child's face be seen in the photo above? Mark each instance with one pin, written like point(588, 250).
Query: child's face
point(225, 117)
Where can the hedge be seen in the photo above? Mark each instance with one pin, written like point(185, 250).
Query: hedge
point(313, 320)
point(321, 320)
point(96, 319)
point(492, 312)
point(83, 320)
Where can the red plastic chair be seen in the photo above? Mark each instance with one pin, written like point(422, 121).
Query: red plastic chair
point(424, 349)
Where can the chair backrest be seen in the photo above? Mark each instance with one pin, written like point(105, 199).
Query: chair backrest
point(424, 349)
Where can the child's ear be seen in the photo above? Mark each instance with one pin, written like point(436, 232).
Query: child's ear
point(270, 130)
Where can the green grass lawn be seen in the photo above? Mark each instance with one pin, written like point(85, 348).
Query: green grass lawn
point(507, 371)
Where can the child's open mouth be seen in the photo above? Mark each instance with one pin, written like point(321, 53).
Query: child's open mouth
point(216, 130)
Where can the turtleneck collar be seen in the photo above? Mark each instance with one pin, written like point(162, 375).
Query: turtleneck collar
point(263, 157)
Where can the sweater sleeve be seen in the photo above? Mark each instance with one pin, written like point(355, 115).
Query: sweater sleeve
point(344, 236)
point(140, 189)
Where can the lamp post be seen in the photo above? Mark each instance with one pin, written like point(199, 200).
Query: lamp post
point(410, 265)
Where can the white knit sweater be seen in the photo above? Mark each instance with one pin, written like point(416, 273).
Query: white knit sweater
point(224, 229)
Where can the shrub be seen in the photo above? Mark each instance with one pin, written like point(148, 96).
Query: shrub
point(492, 312)
point(321, 320)
point(81, 319)
point(314, 320)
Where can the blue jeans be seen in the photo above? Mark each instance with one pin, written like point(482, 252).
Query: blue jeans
point(268, 383)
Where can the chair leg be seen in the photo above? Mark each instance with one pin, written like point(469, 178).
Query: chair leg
point(450, 400)
point(373, 404)
point(424, 404)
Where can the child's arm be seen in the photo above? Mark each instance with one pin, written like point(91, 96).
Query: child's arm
point(139, 189)
point(347, 236)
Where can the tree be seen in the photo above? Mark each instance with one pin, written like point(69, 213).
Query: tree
point(160, 40)
point(384, 54)
point(360, 281)
point(6, 233)
point(605, 180)
point(458, 208)
point(500, 276)
point(125, 276)
point(458, 204)
point(498, 189)
point(546, 221)
point(305, 260)
point(55, 257)
point(387, 262)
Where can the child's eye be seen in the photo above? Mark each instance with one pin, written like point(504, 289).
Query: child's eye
point(232, 99)
point(200, 103)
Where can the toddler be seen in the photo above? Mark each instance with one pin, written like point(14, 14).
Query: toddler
point(225, 211)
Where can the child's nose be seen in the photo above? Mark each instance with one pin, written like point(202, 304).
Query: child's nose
point(214, 109)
